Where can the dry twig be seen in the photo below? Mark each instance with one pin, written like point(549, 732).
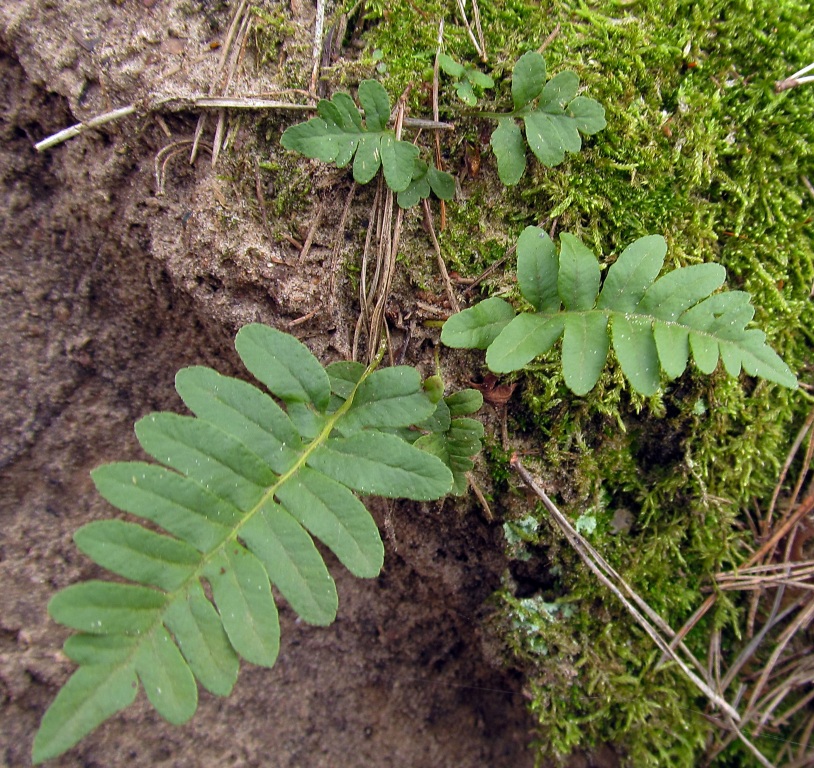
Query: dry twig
point(614, 582)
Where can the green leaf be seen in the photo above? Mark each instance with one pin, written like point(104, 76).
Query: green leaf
point(479, 79)
point(283, 364)
point(344, 376)
point(441, 183)
point(166, 678)
point(537, 269)
point(426, 178)
point(389, 398)
point(434, 387)
point(337, 518)
point(439, 421)
point(101, 607)
point(199, 632)
point(510, 151)
point(243, 411)
point(91, 696)
point(455, 441)
point(108, 650)
point(560, 90)
point(338, 135)
point(673, 347)
point(419, 187)
point(398, 160)
point(138, 554)
point(528, 79)
point(240, 510)
point(464, 402)
point(376, 104)
point(292, 562)
point(584, 350)
point(465, 93)
point(215, 460)
point(550, 137)
point(450, 66)
point(242, 594)
point(758, 359)
point(349, 117)
point(636, 352)
point(527, 336)
point(655, 325)
point(553, 126)
point(588, 115)
point(633, 273)
point(578, 277)
point(705, 351)
point(312, 139)
point(383, 465)
point(180, 506)
point(680, 289)
point(478, 326)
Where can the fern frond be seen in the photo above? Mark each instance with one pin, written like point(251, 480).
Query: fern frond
point(652, 324)
point(245, 485)
point(553, 117)
point(338, 136)
point(453, 437)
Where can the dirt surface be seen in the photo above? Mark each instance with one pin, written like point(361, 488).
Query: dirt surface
point(105, 291)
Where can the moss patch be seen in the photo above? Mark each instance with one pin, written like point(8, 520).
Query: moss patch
point(701, 149)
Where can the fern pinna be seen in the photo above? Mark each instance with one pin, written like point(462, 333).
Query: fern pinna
point(652, 323)
point(244, 486)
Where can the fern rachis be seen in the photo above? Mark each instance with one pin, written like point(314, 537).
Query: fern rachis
point(245, 485)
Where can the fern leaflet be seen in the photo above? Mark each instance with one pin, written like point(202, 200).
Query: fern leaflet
point(245, 485)
point(653, 324)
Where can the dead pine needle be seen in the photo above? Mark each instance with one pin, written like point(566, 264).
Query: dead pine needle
point(164, 156)
point(550, 39)
point(478, 47)
point(312, 232)
point(442, 267)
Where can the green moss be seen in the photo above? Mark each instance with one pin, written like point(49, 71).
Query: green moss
point(698, 148)
point(271, 28)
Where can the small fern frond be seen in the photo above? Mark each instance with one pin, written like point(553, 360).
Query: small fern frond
point(653, 324)
point(553, 117)
point(245, 485)
point(453, 437)
point(339, 136)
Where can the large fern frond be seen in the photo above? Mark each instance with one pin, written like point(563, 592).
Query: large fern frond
point(653, 324)
point(244, 486)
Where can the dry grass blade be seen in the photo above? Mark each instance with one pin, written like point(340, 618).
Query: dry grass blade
point(312, 232)
point(316, 53)
point(436, 115)
point(779, 653)
point(472, 38)
point(163, 157)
